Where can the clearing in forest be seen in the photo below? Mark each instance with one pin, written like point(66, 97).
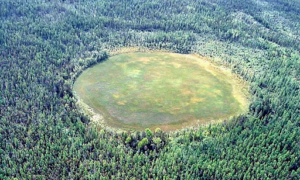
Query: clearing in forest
point(167, 90)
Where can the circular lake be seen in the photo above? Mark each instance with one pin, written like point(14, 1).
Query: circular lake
point(167, 90)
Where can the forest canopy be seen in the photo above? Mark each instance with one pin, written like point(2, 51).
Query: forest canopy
point(45, 45)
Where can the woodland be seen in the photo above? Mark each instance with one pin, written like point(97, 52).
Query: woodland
point(46, 44)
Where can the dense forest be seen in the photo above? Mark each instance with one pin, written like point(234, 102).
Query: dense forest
point(45, 45)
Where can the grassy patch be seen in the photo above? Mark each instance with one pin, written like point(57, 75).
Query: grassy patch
point(167, 90)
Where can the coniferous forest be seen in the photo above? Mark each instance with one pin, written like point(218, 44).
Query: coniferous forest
point(45, 45)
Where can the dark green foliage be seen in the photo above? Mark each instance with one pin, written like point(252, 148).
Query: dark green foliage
point(44, 45)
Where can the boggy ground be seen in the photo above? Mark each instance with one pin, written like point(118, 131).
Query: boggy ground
point(167, 90)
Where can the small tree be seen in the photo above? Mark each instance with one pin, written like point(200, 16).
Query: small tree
point(143, 143)
point(149, 133)
point(157, 131)
point(128, 140)
point(157, 141)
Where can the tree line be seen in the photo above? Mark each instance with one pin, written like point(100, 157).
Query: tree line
point(44, 45)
